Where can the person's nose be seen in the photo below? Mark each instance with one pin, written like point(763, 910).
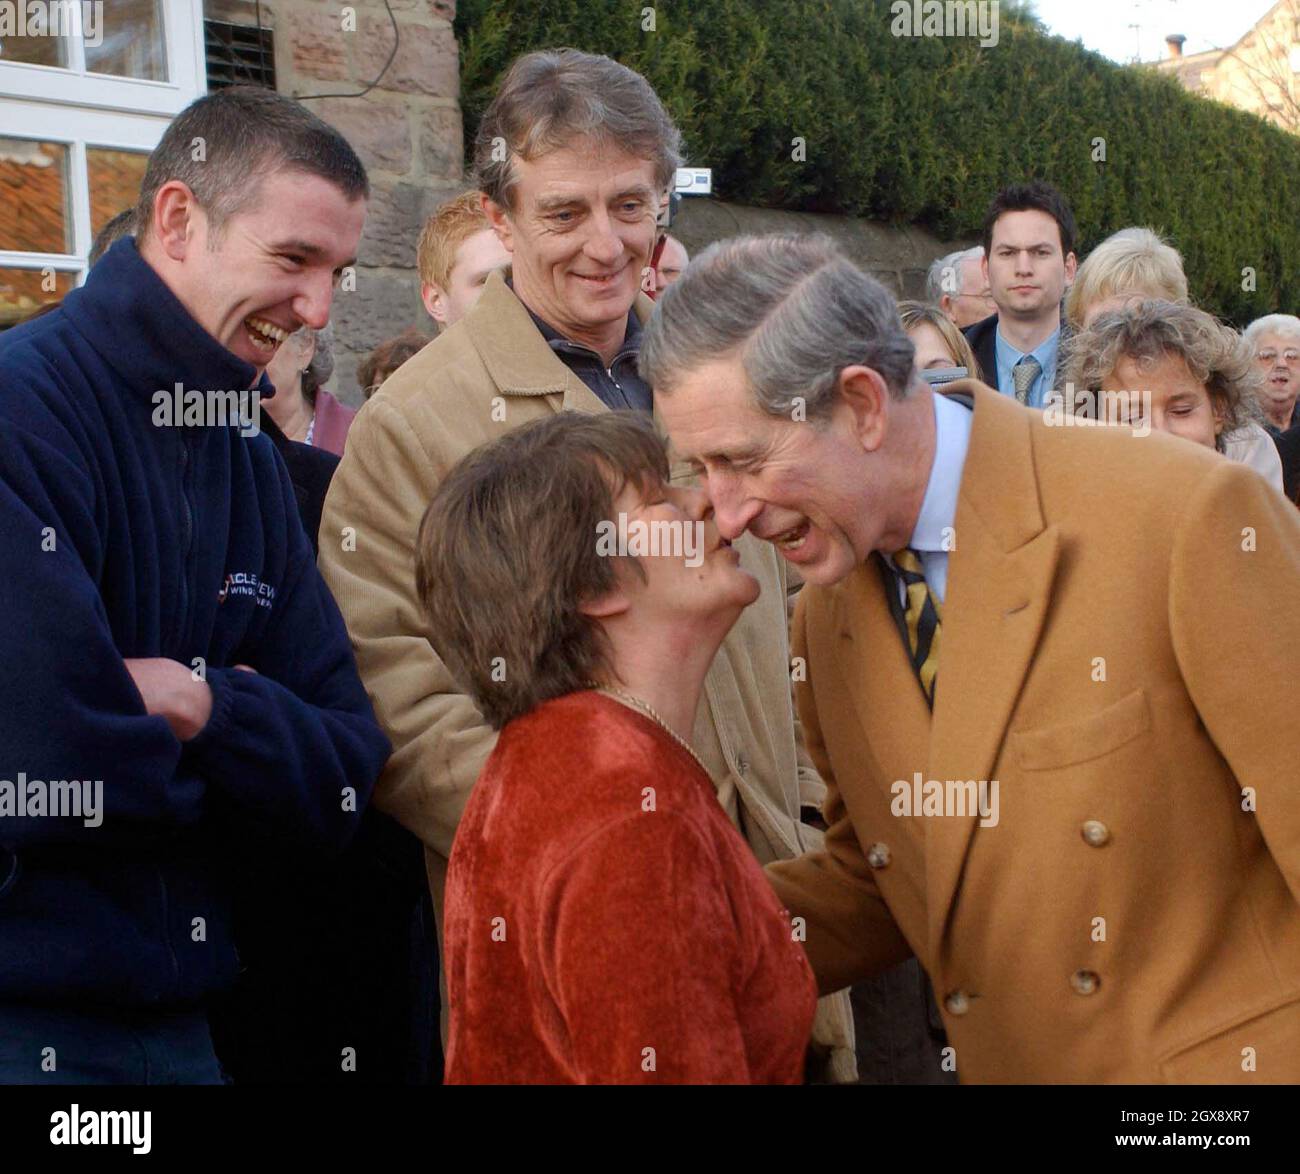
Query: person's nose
point(603, 245)
point(1024, 262)
point(312, 305)
point(733, 512)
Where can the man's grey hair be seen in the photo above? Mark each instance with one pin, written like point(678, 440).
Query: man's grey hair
point(317, 372)
point(551, 97)
point(934, 289)
point(793, 309)
point(1287, 325)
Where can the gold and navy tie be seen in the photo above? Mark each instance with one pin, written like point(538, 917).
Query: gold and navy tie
point(923, 620)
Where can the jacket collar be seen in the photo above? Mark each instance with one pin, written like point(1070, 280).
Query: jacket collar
point(129, 316)
point(518, 358)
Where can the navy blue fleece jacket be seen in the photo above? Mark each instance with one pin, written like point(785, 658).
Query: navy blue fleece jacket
point(123, 538)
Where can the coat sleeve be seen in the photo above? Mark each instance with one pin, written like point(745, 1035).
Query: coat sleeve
point(645, 901)
point(69, 709)
point(1233, 594)
point(367, 556)
point(851, 934)
point(295, 743)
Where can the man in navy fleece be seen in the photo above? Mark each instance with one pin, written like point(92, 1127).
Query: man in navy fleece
point(177, 681)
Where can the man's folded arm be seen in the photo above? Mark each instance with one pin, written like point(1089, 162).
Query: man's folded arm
point(367, 556)
point(71, 710)
point(295, 743)
point(1234, 590)
point(849, 931)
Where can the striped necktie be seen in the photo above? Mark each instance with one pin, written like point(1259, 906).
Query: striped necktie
point(923, 619)
point(1023, 375)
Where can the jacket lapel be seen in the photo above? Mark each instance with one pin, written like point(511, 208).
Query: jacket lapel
point(880, 677)
point(999, 589)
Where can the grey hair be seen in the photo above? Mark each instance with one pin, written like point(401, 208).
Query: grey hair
point(793, 309)
point(321, 367)
point(551, 97)
point(1287, 325)
point(934, 278)
point(1216, 355)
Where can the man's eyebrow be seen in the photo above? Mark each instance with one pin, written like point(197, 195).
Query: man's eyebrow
point(734, 456)
point(640, 190)
point(547, 203)
point(307, 249)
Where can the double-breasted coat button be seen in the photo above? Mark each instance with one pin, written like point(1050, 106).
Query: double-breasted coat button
point(957, 1003)
point(1095, 833)
point(742, 765)
point(1085, 982)
point(878, 856)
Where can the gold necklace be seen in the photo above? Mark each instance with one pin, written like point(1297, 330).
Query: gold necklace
point(646, 708)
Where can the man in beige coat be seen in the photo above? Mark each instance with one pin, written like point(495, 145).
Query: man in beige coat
point(589, 156)
point(1050, 683)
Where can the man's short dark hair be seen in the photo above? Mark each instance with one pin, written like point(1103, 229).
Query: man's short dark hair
point(1035, 196)
point(222, 146)
point(123, 224)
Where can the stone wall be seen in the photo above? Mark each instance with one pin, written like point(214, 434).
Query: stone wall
point(897, 256)
point(407, 130)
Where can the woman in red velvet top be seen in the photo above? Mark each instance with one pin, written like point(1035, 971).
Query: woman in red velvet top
point(604, 921)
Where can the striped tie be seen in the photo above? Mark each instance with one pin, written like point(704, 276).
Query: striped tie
point(924, 620)
point(1023, 375)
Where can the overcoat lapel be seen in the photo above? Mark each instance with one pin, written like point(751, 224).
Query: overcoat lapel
point(999, 590)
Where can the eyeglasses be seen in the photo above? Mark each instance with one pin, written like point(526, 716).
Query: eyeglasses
point(1290, 355)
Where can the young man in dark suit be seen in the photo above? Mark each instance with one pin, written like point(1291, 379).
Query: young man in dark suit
point(1029, 262)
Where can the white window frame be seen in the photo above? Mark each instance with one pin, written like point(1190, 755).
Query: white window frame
point(82, 110)
point(74, 85)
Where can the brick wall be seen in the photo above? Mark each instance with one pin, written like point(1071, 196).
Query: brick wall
point(407, 130)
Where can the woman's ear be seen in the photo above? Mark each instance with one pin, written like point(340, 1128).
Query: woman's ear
point(602, 607)
point(1219, 406)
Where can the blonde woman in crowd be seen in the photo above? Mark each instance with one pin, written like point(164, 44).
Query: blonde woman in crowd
point(1134, 265)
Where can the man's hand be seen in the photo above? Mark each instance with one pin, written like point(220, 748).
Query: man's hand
point(170, 690)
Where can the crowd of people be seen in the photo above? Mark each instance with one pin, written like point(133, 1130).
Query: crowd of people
point(679, 670)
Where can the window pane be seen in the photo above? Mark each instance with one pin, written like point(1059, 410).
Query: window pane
point(34, 213)
point(24, 291)
point(41, 49)
point(114, 182)
point(131, 42)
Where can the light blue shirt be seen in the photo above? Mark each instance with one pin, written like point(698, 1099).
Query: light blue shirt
point(934, 535)
point(1008, 357)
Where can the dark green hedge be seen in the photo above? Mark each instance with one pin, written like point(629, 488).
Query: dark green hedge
point(925, 129)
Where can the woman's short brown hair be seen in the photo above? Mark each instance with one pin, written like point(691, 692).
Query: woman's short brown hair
point(1216, 355)
point(507, 551)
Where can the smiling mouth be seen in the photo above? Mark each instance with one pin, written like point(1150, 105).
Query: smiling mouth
point(792, 539)
point(266, 335)
point(600, 279)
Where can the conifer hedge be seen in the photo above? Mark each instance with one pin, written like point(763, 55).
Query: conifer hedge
point(925, 129)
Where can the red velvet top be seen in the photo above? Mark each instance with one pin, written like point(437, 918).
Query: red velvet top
point(605, 923)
